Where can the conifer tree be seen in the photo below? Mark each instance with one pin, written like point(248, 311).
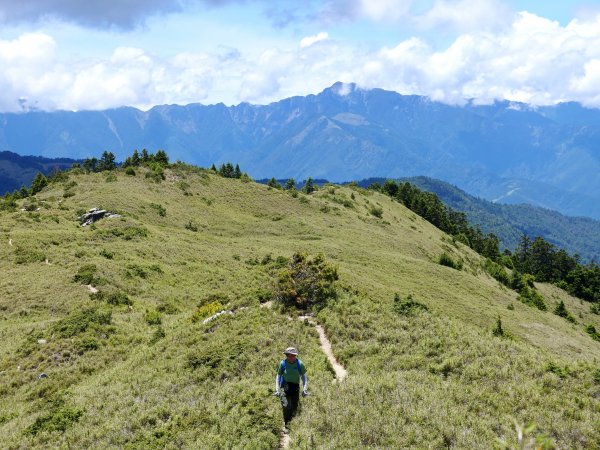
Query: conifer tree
point(290, 184)
point(308, 186)
point(135, 158)
point(161, 157)
point(237, 173)
point(107, 162)
point(39, 183)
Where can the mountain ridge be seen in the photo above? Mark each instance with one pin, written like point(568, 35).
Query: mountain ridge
point(546, 156)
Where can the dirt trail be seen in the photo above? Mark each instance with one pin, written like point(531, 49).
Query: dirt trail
point(91, 288)
point(284, 443)
point(340, 372)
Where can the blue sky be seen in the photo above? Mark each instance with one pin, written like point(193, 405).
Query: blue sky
point(68, 54)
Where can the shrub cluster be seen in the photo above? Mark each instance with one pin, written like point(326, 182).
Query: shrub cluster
point(306, 282)
point(448, 261)
point(407, 307)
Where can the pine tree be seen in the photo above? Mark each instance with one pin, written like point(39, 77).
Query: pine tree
point(145, 156)
point(107, 162)
point(290, 184)
point(161, 157)
point(237, 173)
point(90, 164)
point(135, 158)
point(39, 183)
point(308, 186)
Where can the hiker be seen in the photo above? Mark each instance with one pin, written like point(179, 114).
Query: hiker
point(287, 383)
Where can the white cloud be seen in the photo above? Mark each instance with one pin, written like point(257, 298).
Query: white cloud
point(465, 15)
point(310, 40)
point(535, 60)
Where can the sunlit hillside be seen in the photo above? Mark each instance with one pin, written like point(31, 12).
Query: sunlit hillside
point(135, 366)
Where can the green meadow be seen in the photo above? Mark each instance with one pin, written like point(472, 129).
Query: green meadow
point(134, 366)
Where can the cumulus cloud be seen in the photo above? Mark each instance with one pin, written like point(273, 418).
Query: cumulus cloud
point(535, 60)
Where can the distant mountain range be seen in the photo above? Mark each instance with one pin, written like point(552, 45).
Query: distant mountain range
point(16, 170)
point(505, 152)
point(576, 235)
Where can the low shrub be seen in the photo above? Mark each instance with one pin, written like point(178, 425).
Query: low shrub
point(376, 211)
point(446, 260)
point(152, 317)
point(130, 171)
point(160, 209)
point(85, 274)
point(306, 282)
point(57, 420)
point(191, 225)
point(497, 272)
point(591, 330)
point(531, 297)
point(105, 253)
point(112, 298)
point(80, 321)
point(408, 307)
point(206, 310)
point(28, 255)
point(561, 311)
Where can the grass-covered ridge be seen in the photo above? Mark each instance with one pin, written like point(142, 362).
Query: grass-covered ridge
point(130, 367)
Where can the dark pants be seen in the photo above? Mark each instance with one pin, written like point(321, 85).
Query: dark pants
point(290, 402)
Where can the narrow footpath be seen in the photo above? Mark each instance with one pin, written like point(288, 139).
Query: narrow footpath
point(340, 371)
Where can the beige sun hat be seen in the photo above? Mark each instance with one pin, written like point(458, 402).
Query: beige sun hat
point(290, 351)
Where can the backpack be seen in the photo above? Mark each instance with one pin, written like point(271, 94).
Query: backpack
point(283, 363)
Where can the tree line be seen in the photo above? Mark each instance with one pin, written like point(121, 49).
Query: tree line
point(537, 258)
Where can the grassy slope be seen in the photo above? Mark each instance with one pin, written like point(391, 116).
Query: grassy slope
point(431, 380)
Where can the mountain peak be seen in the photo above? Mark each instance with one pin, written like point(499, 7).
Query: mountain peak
point(342, 89)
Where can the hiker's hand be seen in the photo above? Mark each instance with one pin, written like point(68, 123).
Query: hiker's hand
point(277, 394)
point(304, 393)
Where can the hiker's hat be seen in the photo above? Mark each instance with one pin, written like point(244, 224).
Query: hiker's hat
point(290, 351)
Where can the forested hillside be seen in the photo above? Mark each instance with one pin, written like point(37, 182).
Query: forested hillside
point(576, 235)
point(109, 338)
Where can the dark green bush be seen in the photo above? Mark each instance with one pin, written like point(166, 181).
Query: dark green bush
point(152, 317)
point(130, 171)
point(107, 254)
point(408, 307)
point(531, 297)
point(446, 260)
point(57, 420)
point(86, 344)
point(80, 321)
point(376, 211)
point(191, 226)
point(85, 274)
point(497, 272)
point(561, 310)
point(306, 282)
point(112, 298)
point(498, 331)
point(591, 330)
point(162, 212)
point(28, 255)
